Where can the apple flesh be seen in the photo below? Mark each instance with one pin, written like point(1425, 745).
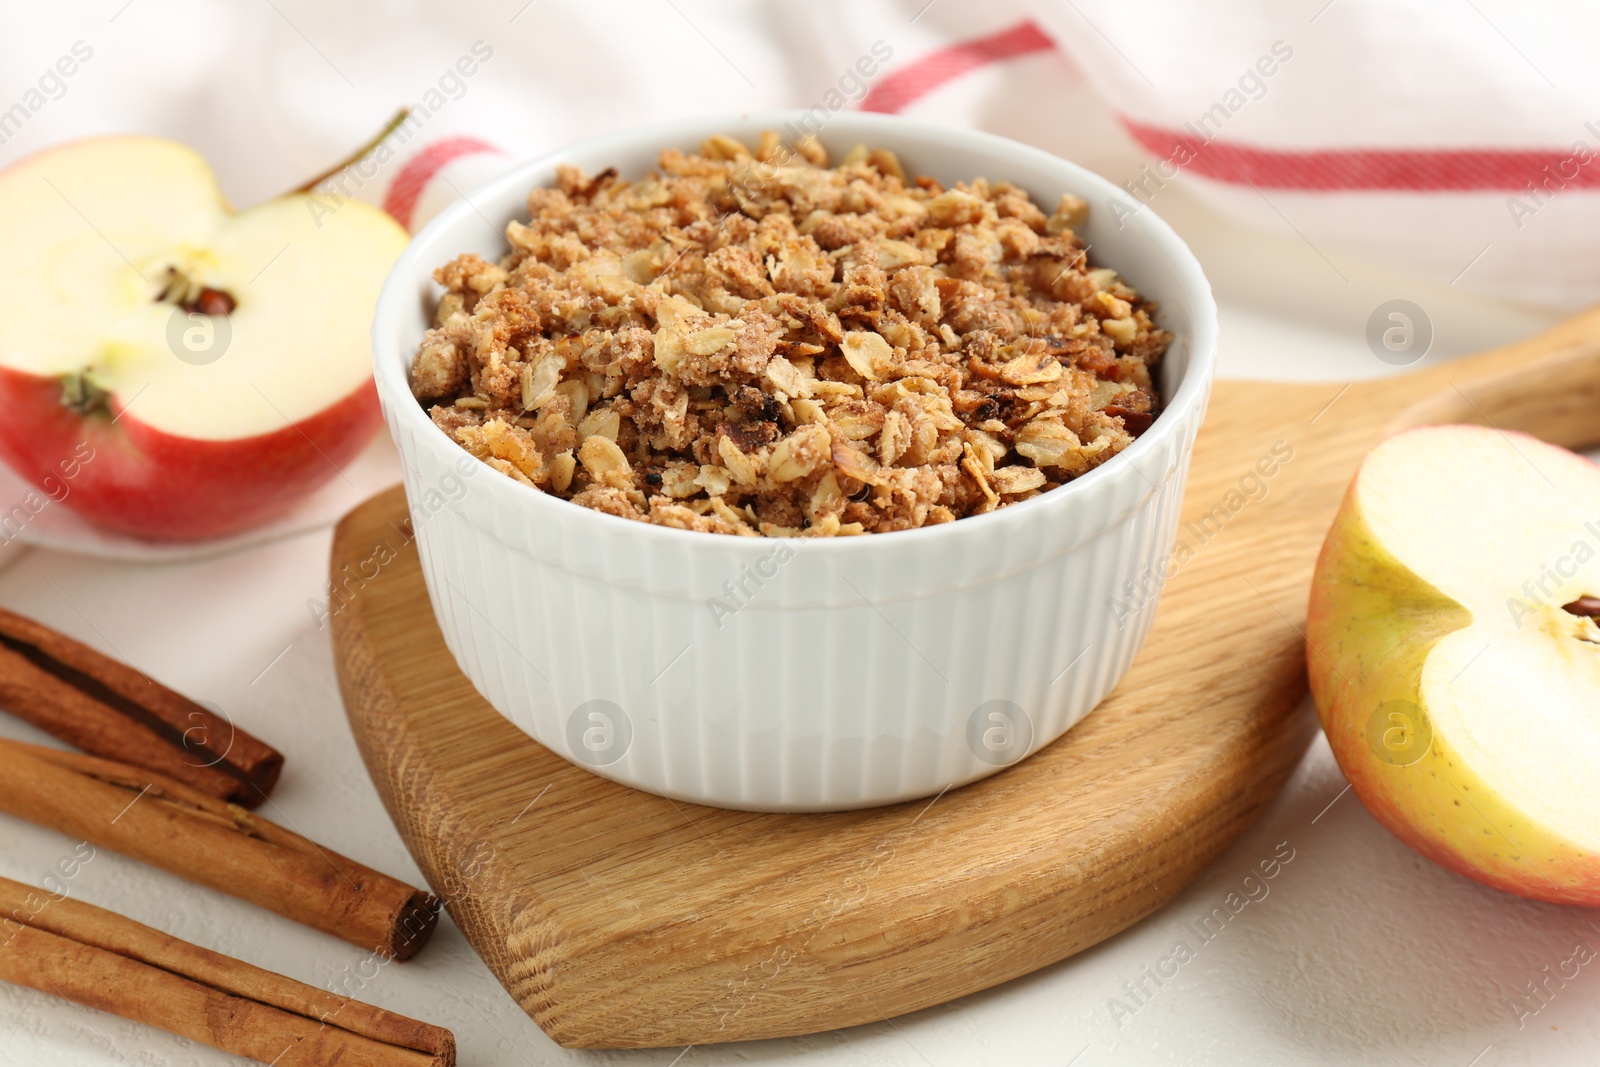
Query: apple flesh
point(1454, 663)
point(169, 368)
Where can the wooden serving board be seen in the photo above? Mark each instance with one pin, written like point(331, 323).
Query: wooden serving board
point(618, 918)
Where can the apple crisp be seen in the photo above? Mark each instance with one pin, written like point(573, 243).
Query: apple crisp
point(754, 341)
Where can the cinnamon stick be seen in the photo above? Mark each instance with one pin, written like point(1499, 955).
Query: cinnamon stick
point(166, 824)
point(103, 960)
point(109, 709)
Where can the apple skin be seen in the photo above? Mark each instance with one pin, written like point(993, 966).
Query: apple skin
point(156, 485)
point(1370, 628)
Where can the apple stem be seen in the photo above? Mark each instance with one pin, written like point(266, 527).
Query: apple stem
point(394, 123)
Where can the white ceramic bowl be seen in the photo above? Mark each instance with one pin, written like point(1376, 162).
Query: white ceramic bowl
point(855, 671)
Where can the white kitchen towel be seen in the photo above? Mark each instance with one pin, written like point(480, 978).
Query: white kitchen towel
point(1460, 140)
point(1457, 140)
point(1460, 143)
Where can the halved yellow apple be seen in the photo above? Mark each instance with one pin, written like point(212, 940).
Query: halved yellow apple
point(196, 370)
point(1454, 658)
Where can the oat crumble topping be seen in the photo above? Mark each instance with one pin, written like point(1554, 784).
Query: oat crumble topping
point(756, 342)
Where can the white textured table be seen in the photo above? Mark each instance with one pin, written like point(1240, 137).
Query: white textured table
point(1357, 952)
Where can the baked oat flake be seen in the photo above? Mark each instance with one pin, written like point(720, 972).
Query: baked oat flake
point(756, 342)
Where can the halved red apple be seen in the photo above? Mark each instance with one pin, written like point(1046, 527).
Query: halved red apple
point(186, 371)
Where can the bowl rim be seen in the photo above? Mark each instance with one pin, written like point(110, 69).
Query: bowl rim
point(1186, 407)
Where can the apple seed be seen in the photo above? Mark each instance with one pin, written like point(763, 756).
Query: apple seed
point(210, 302)
point(193, 297)
point(1585, 607)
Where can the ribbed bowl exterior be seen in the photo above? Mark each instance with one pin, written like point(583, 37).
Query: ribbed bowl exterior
point(798, 674)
